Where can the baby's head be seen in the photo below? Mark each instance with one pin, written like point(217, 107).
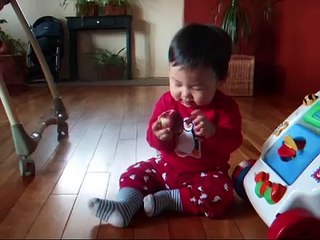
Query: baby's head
point(199, 58)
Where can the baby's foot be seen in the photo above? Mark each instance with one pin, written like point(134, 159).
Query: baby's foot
point(112, 212)
point(154, 204)
point(149, 205)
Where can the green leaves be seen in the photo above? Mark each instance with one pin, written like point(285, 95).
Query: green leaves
point(104, 57)
point(16, 46)
point(236, 22)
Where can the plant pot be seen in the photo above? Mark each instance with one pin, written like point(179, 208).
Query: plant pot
point(112, 73)
point(241, 76)
point(81, 10)
point(112, 10)
point(4, 48)
point(14, 71)
point(92, 9)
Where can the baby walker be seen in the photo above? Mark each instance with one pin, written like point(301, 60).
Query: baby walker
point(283, 185)
point(24, 144)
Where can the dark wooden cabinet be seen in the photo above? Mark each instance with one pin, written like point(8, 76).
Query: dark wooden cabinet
point(76, 24)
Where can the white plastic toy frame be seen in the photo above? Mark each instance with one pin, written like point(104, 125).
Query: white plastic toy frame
point(300, 176)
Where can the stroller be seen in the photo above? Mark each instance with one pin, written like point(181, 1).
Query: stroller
point(49, 33)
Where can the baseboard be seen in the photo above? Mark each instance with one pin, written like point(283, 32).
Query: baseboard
point(133, 82)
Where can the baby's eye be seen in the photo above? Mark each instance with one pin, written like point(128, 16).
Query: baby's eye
point(197, 88)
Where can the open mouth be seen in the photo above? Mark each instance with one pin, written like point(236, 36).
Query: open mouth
point(187, 102)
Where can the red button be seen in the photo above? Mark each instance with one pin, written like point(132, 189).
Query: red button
point(261, 176)
point(277, 192)
point(265, 186)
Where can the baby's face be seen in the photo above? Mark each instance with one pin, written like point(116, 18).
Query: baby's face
point(192, 87)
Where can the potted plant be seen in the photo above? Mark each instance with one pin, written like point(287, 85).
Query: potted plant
point(3, 46)
point(83, 7)
point(239, 18)
point(233, 16)
point(12, 61)
point(92, 8)
point(115, 7)
point(233, 19)
point(111, 65)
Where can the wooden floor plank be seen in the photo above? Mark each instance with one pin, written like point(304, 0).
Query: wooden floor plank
point(145, 227)
point(221, 228)
point(124, 157)
point(72, 177)
point(178, 227)
point(10, 192)
point(106, 148)
point(107, 133)
point(129, 121)
point(81, 223)
point(249, 223)
point(8, 167)
point(53, 217)
point(110, 232)
point(21, 216)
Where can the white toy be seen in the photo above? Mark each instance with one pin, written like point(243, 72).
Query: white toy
point(283, 185)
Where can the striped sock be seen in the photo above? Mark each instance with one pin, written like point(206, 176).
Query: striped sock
point(119, 212)
point(162, 200)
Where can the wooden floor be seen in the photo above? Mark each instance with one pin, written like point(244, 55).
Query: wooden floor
point(107, 134)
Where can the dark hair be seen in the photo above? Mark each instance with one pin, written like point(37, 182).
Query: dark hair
point(199, 45)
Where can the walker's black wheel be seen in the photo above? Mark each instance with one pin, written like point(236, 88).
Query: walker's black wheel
point(63, 131)
point(27, 167)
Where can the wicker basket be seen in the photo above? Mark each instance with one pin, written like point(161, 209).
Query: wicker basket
point(240, 80)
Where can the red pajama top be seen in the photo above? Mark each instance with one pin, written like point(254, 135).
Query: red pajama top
point(188, 153)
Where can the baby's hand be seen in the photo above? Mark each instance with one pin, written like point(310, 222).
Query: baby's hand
point(162, 133)
point(202, 126)
point(168, 125)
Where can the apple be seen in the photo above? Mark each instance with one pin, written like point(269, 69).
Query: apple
point(171, 119)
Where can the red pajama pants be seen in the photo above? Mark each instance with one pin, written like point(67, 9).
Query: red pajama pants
point(208, 193)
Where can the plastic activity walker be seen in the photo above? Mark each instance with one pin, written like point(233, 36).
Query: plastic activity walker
point(283, 185)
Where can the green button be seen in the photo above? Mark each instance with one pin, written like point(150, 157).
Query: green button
point(267, 195)
point(317, 115)
point(312, 116)
point(257, 189)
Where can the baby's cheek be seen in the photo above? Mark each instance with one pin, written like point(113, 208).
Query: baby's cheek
point(201, 101)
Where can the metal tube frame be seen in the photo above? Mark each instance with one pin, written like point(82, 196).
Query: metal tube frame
point(24, 144)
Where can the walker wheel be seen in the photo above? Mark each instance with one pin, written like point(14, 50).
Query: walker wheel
point(238, 176)
point(295, 224)
point(63, 131)
point(27, 167)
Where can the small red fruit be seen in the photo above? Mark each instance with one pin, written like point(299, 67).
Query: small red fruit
point(171, 119)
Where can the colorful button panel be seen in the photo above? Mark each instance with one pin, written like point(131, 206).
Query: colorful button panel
point(272, 192)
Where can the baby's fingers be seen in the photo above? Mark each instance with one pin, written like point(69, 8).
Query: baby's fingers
point(156, 126)
point(164, 134)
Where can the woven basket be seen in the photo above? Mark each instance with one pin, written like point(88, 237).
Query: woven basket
point(240, 79)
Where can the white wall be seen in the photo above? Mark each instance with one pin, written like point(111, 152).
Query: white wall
point(154, 24)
